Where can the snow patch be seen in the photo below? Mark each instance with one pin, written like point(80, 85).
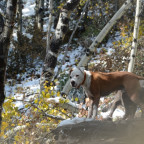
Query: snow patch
point(73, 121)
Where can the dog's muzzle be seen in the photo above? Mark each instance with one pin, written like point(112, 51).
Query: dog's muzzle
point(73, 83)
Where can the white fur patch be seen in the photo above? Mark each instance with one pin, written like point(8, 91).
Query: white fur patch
point(87, 84)
point(88, 78)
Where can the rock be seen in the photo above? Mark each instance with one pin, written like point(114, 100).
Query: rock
point(101, 132)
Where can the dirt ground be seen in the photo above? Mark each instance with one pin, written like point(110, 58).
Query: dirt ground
point(101, 132)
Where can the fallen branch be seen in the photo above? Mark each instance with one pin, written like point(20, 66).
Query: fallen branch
point(73, 108)
point(48, 115)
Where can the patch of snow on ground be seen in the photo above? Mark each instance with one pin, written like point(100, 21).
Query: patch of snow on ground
point(73, 121)
point(73, 55)
point(29, 8)
point(118, 113)
point(27, 88)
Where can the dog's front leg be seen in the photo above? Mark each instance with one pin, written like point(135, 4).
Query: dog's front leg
point(90, 108)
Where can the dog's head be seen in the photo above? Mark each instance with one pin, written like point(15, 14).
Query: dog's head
point(76, 77)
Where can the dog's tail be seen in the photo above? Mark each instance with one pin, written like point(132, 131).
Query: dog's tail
point(140, 77)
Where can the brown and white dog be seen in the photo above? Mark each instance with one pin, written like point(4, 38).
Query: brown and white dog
point(98, 84)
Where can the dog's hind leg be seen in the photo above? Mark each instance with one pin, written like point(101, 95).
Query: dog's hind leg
point(116, 103)
point(137, 100)
point(95, 111)
point(130, 106)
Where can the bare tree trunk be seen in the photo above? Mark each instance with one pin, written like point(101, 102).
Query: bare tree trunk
point(36, 10)
point(61, 29)
point(99, 38)
point(116, 5)
point(135, 36)
point(19, 12)
point(40, 13)
point(49, 24)
point(4, 46)
point(19, 19)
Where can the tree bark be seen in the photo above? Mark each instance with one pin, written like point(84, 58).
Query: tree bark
point(56, 41)
point(99, 38)
point(40, 13)
point(49, 24)
point(4, 46)
point(135, 36)
point(19, 11)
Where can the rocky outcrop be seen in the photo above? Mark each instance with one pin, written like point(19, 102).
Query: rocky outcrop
point(101, 132)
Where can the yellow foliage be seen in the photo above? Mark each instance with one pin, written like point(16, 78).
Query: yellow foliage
point(43, 93)
point(47, 95)
point(33, 114)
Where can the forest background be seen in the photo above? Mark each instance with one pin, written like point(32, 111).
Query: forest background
point(41, 40)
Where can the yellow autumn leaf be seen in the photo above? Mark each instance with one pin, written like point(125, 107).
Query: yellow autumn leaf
point(12, 124)
point(76, 99)
point(52, 93)
point(27, 105)
point(47, 95)
point(40, 102)
point(55, 80)
point(51, 83)
point(35, 109)
point(63, 111)
point(67, 100)
point(5, 124)
point(16, 138)
point(58, 93)
point(36, 101)
point(43, 93)
point(46, 90)
point(45, 87)
point(27, 142)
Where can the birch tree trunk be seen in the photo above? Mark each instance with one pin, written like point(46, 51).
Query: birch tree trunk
point(40, 14)
point(135, 36)
point(99, 38)
point(19, 19)
point(49, 25)
point(56, 41)
point(36, 10)
point(4, 46)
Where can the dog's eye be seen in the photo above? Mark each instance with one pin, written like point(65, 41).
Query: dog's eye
point(70, 77)
point(77, 75)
